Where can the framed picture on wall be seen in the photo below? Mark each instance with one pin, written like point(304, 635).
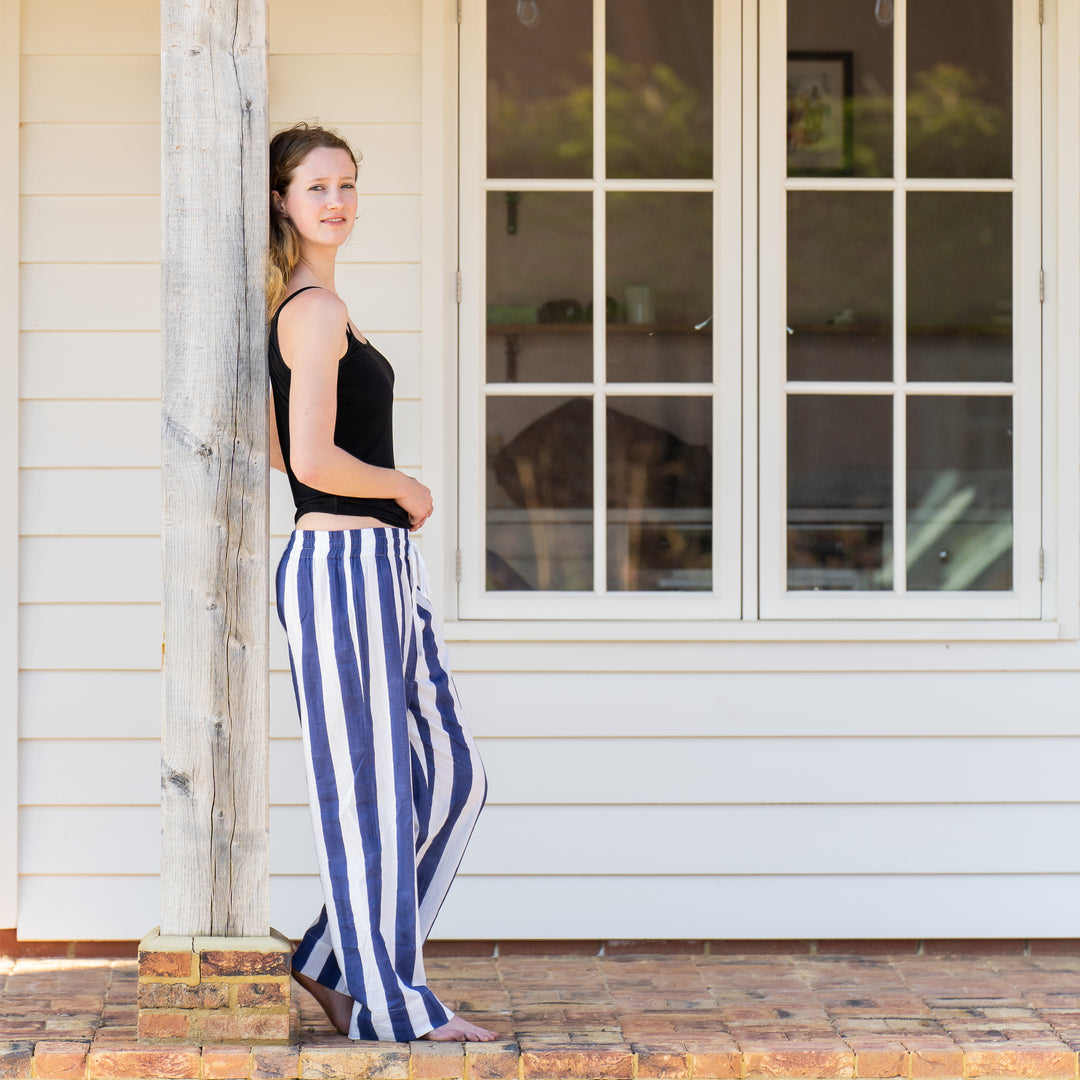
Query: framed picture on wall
point(819, 128)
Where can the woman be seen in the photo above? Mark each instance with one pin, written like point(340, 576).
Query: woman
point(394, 778)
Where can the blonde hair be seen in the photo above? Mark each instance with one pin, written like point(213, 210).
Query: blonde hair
point(288, 149)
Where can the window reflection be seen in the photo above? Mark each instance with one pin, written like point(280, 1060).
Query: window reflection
point(840, 285)
point(840, 89)
point(959, 103)
point(959, 286)
point(659, 286)
point(659, 493)
point(840, 487)
point(539, 110)
point(959, 493)
point(659, 89)
point(539, 493)
point(539, 286)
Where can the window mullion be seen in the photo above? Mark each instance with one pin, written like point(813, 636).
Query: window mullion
point(900, 320)
point(599, 462)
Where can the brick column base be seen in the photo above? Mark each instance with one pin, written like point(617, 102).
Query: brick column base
point(198, 990)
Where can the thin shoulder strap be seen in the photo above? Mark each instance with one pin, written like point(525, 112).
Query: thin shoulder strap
point(292, 296)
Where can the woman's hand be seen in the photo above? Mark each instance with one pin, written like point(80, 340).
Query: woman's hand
point(416, 502)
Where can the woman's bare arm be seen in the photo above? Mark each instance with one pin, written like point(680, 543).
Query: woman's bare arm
point(312, 337)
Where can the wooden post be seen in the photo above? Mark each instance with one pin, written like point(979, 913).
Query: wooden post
point(214, 972)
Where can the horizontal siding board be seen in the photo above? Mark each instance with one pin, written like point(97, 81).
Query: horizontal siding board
point(338, 89)
point(379, 28)
point(403, 352)
point(78, 637)
point(62, 772)
point(391, 153)
point(387, 229)
point(916, 906)
point(88, 908)
point(600, 703)
point(111, 89)
point(113, 159)
point(947, 906)
point(718, 840)
point(88, 366)
point(795, 770)
point(107, 27)
point(89, 570)
point(90, 502)
point(86, 228)
point(381, 298)
point(101, 296)
point(408, 431)
point(89, 705)
point(90, 434)
point(499, 648)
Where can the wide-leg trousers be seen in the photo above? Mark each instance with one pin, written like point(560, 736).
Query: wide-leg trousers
point(394, 778)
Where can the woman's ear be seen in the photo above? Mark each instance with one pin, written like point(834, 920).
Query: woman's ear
point(278, 204)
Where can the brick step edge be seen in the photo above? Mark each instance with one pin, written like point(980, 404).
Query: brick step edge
point(57, 1060)
point(14, 949)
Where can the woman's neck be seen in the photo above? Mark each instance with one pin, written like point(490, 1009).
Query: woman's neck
point(317, 268)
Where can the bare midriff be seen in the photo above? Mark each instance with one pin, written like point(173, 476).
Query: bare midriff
point(315, 522)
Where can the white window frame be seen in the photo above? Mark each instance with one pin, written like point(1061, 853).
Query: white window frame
point(1024, 600)
point(571, 617)
point(723, 601)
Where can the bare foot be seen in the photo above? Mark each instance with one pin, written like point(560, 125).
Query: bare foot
point(338, 1007)
point(458, 1030)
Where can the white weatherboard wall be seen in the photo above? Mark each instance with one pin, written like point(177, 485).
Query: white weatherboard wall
point(639, 787)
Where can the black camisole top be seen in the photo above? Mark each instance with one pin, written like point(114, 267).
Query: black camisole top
point(364, 425)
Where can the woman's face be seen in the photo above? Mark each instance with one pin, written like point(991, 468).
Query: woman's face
point(321, 198)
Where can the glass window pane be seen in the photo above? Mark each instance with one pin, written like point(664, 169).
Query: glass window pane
point(539, 493)
point(659, 286)
point(959, 283)
point(840, 285)
point(840, 490)
point(539, 286)
point(959, 493)
point(840, 88)
point(539, 65)
point(659, 88)
point(959, 88)
point(659, 496)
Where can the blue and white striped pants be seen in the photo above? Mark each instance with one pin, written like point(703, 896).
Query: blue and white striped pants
point(394, 778)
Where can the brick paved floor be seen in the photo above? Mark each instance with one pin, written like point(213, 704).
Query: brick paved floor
point(618, 1017)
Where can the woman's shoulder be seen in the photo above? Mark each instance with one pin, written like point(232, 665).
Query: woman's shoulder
point(311, 324)
point(313, 303)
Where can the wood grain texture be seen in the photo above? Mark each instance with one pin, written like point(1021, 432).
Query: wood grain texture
point(215, 853)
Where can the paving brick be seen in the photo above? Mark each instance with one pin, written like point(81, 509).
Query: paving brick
point(226, 1027)
point(227, 962)
point(16, 1059)
point(164, 1025)
point(60, 1060)
point(366, 1061)
point(226, 1063)
point(437, 1060)
point(275, 1063)
point(559, 1062)
point(262, 995)
point(791, 1061)
point(181, 996)
point(664, 1062)
point(936, 1062)
point(144, 1063)
point(492, 1061)
point(717, 1064)
point(1021, 1062)
point(881, 1062)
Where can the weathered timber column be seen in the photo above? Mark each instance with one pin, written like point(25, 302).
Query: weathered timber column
point(214, 971)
